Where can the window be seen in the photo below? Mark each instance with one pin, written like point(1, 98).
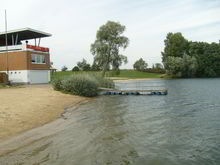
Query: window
point(38, 59)
point(33, 58)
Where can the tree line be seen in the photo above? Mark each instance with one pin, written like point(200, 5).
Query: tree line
point(183, 58)
point(84, 66)
point(139, 65)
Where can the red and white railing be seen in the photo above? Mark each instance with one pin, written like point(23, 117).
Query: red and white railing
point(23, 47)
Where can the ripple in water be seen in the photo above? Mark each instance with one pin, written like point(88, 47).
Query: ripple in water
point(180, 128)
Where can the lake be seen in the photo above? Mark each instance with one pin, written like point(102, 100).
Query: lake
point(182, 128)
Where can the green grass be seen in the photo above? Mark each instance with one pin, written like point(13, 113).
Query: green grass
point(68, 73)
point(133, 74)
point(125, 74)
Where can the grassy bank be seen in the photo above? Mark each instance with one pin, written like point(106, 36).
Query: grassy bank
point(69, 73)
point(133, 74)
point(129, 74)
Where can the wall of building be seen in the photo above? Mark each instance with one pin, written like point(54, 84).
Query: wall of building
point(29, 76)
point(21, 68)
point(18, 76)
point(16, 61)
point(21, 60)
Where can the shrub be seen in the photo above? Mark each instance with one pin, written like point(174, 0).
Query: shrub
point(57, 84)
point(82, 84)
point(104, 82)
point(155, 70)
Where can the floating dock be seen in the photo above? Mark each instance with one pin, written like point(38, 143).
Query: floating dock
point(132, 92)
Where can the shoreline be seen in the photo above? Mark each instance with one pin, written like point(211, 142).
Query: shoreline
point(135, 79)
point(20, 113)
point(31, 106)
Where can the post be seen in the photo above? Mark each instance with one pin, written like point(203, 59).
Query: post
point(39, 42)
point(6, 41)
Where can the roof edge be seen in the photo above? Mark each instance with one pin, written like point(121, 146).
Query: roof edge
point(23, 29)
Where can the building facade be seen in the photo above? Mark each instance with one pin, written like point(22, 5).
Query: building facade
point(22, 62)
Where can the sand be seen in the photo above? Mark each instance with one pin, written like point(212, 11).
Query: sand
point(31, 106)
point(135, 79)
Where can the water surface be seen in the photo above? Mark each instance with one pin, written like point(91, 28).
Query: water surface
point(178, 129)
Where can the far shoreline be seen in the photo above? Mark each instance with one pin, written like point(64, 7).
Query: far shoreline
point(115, 79)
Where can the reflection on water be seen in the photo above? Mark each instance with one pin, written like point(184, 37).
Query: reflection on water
point(180, 128)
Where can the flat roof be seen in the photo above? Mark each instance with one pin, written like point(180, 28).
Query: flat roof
point(24, 34)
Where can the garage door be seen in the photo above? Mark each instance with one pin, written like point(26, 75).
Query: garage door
point(39, 76)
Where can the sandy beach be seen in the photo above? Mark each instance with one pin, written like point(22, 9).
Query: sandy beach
point(31, 106)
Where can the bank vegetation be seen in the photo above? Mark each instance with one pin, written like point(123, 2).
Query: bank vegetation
point(82, 84)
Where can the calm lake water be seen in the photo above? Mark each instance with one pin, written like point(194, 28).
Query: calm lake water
point(182, 128)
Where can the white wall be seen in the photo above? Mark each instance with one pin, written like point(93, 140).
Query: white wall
point(18, 76)
point(29, 76)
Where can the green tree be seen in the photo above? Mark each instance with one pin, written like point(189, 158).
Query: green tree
point(190, 66)
point(95, 67)
point(140, 65)
point(75, 68)
point(83, 65)
point(173, 65)
point(158, 66)
point(208, 57)
point(109, 40)
point(64, 68)
point(175, 45)
point(199, 59)
point(181, 67)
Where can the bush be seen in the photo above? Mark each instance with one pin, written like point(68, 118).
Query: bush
point(104, 82)
point(155, 70)
point(57, 84)
point(82, 84)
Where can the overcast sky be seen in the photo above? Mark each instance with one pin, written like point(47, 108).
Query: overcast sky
point(73, 24)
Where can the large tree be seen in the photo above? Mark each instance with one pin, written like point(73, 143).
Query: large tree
point(109, 40)
point(175, 45)
point(140, 65)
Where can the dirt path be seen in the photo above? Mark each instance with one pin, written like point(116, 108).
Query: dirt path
point(31, 106)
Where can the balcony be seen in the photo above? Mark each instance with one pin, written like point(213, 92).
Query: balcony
point(23, 47)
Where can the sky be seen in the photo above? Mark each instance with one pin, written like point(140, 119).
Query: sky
point(74, 23)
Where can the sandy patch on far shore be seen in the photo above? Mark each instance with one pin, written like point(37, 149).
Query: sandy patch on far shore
point(135, 79)
point(31, 106)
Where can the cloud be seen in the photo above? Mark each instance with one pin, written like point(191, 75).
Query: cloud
point(74, 24)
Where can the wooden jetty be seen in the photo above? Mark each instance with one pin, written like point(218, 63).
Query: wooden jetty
point(106, 91)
